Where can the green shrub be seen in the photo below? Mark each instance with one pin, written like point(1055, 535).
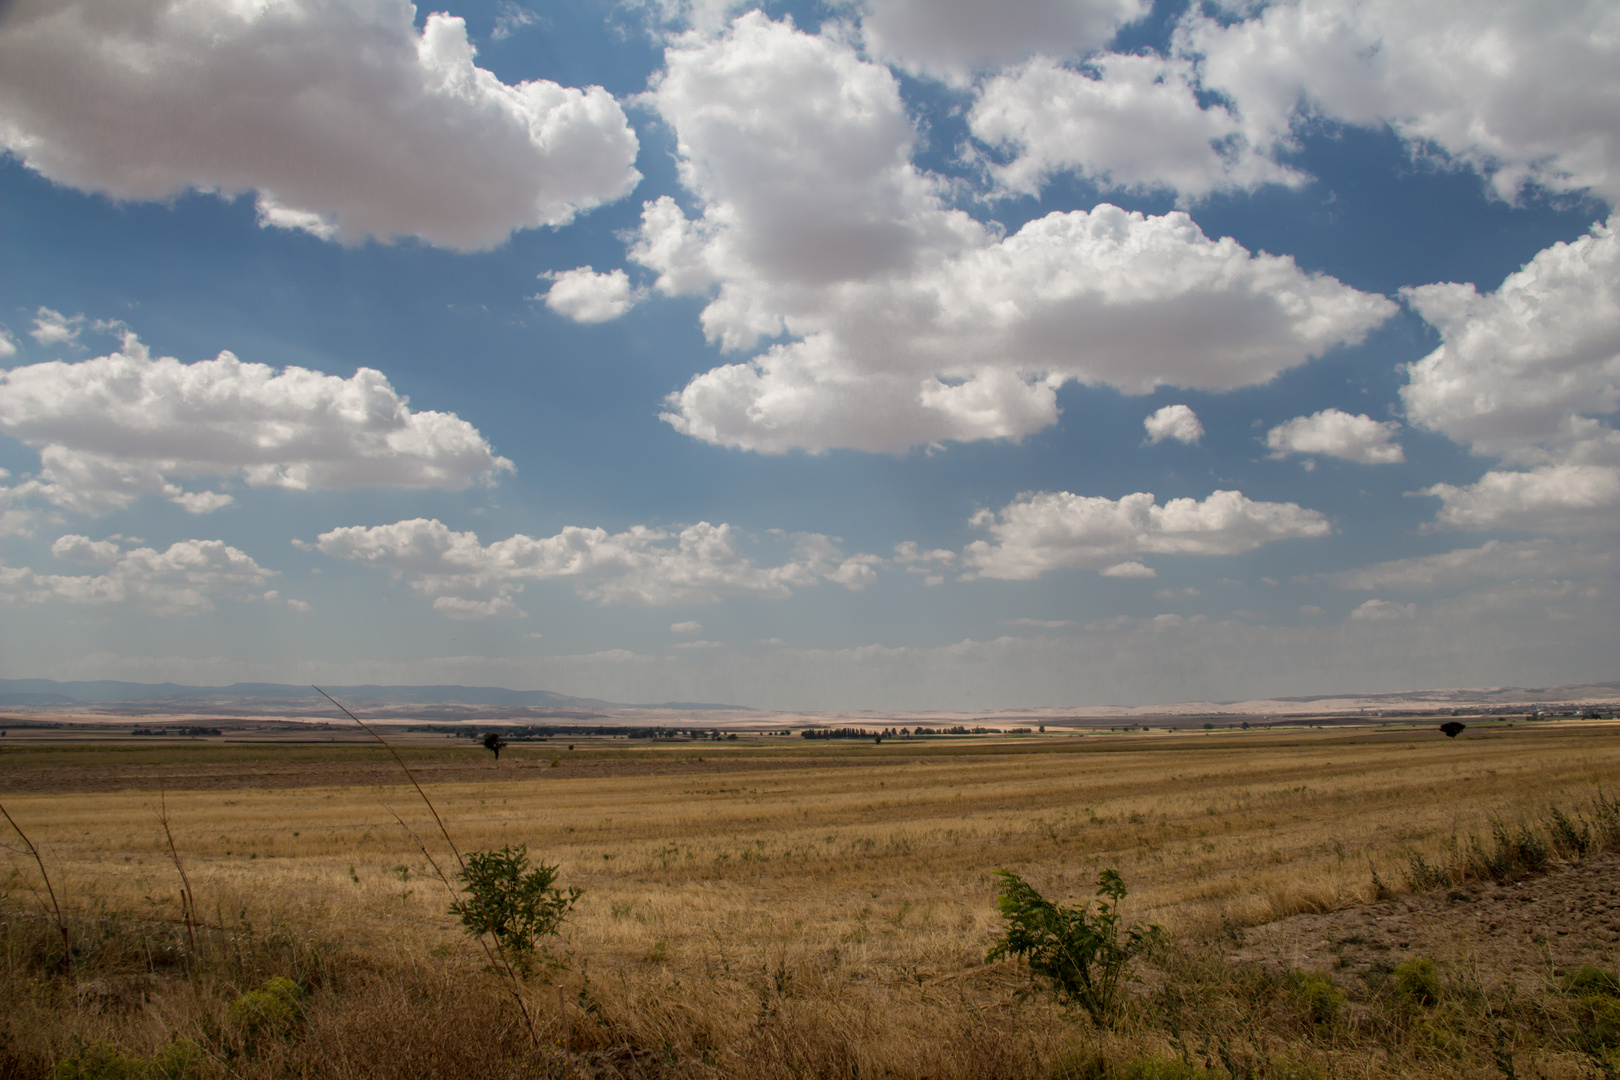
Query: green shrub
point(510, 902)
point(1597, 1007)
point(1155, 1068)
point(1417, 981)
point(1593, 980)
point(1318, 996)
point(1083, 955)
point(104, 1061)
point(271, 1009)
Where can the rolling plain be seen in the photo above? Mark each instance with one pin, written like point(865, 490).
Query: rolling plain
point(778, 907)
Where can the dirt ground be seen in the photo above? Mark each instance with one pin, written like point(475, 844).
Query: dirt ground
point(1530, 932)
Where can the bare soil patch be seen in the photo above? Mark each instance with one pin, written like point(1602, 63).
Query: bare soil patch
point(1527, 933)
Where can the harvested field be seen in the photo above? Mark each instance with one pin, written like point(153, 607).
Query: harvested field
point(785, 910)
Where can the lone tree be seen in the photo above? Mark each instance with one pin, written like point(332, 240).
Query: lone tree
point(1452, 728)
point(494, 744)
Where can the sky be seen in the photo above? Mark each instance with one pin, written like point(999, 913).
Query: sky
point(866, 354)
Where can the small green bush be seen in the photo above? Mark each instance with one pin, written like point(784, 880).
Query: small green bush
point(1417, 981)
point(510, 902)
point(1156, 1068)
point(1593, 980)
point(104, 1061)
point(1319, 998)
point(1083, 955)
point(1597, 1007)
point(271, 1009)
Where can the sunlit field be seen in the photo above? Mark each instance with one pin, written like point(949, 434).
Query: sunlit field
point(760, 908)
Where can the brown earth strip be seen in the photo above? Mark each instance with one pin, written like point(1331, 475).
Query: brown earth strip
point(67, 779)
point(1529, 932)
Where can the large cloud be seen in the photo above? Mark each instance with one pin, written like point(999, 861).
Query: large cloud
point(121, 426)
point(182, 580)
point(700, 564)
point(1531, 374)
point(909, 322)
point(1045, 531)
point(1524, 92)
point(952, 38)
point(344, 118)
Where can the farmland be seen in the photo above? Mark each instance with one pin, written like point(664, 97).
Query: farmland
point(766, 907)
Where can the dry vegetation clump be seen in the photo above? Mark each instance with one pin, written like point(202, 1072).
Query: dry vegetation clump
point(833, 921)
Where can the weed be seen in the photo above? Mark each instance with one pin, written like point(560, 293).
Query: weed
point(178, 1060)
point(1079, 953)
point(1416, 981)
point(1318, 996)
point(515, 905)
point(270, 1009)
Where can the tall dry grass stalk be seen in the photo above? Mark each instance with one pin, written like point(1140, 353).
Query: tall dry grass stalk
point(56, 908)
point(495, 951)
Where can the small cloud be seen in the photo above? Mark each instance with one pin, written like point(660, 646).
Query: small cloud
point(772, 641)
point(8, 344)
point(698, 645)
point(1383, 611)
point(457, 607)
point(688, 628)
point(534, 635)
point(585, 296)
point(299, 605)
point(1039, 624)
point(201, 502)
point(1336, 433)
point(1309, 610)
point(54, 328)
point(1176, 594)
point(1176, 422)
point(1130, 570)
point(511, 19)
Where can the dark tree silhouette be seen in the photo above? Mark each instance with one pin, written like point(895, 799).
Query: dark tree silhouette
point(494, 744)
point(1452, 728)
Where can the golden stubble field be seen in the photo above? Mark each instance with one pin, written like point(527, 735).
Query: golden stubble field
point(850, 886)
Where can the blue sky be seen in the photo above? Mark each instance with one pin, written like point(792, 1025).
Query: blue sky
point(875, 354)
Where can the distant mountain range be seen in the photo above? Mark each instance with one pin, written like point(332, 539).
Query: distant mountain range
point(47, 693)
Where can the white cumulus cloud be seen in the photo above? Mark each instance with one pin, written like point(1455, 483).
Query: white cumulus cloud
point(904, 322)
point(1176, 422)
point(54, 328)
point(952, 38)
point(184, 579)
point(1550, 498)
point(1132, 123)
point(689, 628)
point(1045, 531)
point(1383, 611)
point(117, 427)
point(344, 118)
point(1523, 92)
point(700, 564)
point(1530, 374)
point(1337, 433)
point(586, 296)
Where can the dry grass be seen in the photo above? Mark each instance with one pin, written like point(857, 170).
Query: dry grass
point(767, 922)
